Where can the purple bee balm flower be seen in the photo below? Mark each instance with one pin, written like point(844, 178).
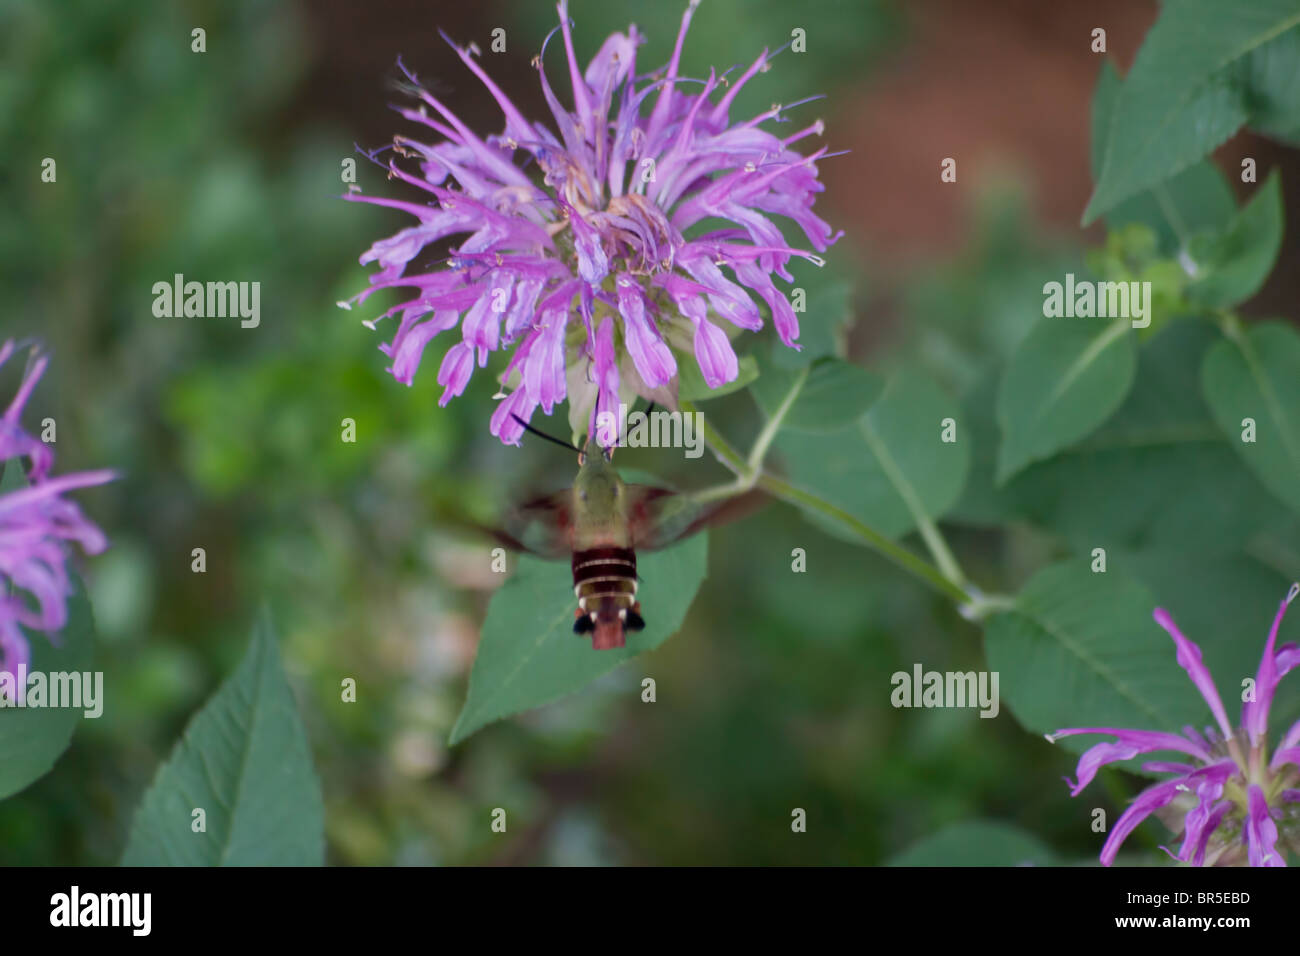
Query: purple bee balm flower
point(35, 521)
point(1228, 792)
point(592, 246)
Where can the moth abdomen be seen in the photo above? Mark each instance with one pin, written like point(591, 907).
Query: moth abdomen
point(604, 562)
point(605, 584)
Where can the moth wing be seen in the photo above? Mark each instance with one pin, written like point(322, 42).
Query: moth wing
point(658, 517)
point(543, 526)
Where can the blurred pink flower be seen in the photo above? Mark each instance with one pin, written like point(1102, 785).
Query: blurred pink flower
point(35, 521)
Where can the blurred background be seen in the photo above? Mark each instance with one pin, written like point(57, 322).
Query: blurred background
point(226, 165)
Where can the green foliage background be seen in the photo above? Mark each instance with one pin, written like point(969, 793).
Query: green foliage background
point(224, 165)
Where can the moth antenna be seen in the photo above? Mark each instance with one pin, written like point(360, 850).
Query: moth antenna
point(541, 434)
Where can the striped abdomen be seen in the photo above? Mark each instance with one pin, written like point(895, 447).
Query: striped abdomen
point(604, 581)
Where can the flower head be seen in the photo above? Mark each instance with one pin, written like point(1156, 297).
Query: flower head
point(1227, 791)
point(596, 247)
point(35, 521)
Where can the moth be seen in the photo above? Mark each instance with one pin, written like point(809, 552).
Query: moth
point(600, 523)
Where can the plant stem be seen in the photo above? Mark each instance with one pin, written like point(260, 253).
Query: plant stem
point(947, 578)
point(727, 455)
point(766, 436)
point(1170, 212)
point(896, 553)
point(1229, 325)
point(721, 447)
point(934, 541)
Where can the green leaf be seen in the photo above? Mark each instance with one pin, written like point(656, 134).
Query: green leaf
point(1159, 473)
point(977, 843)
point(1196, 200)
point(32, 738)
point(1104, 98)
point(11, 476)
point(1185, 93)
point(1080, 650)
point(890, 468)
point(1066, 378)
point(245, 761)
point(1234, 265)
point(691, 386)
point(821, 325)
point(1256, 375)
point(834, 394)
point(1273, 87)
point(528, 654)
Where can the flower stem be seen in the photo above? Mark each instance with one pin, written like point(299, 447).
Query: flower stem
point(721, 447)
point(1170, 212)
point(934, 541)
point(869, 536)
point(768, 434)
point(728, 456)
point(947, 578)
point(1229, 325)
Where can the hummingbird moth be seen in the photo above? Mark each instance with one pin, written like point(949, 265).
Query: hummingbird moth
point(600, 522)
